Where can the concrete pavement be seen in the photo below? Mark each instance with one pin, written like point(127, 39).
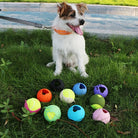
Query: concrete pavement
point(100, 19)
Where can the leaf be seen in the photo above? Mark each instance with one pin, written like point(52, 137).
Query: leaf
point(8, 100)
point(48, 126)
point(25, 115)
point(6, 122)
point(127, 132)
point(24, 110)
point(32, 113)
point(4, 103)
point(1, 133)
point(3, 111)
point(116, 106)
point(8, 62)
point(2, 60)
point(10, 106)
point(124, 133)
point(114, 119)
point(22, 43)
point(1, 105)
point(11, 111)
point(6, 132)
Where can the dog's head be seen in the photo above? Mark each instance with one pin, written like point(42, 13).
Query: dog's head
point(72, 16)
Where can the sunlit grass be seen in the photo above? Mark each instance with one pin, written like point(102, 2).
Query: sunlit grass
point(113, 62)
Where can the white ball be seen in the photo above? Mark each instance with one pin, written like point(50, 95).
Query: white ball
point(67, 96)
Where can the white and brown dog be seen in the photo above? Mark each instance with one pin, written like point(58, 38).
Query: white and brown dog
point(67, 39)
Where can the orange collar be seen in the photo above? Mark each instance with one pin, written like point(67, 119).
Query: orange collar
point(62, 32)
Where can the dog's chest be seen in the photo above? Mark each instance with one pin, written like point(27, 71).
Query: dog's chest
point(68, 43)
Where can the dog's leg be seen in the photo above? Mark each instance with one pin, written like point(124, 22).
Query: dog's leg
point(81, 67)
point(72, 69)
point(58, 65)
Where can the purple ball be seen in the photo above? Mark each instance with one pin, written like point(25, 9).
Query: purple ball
point(101, 89)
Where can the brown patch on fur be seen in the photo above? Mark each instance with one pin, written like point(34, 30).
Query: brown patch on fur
point(81, 8)
point(65, 11)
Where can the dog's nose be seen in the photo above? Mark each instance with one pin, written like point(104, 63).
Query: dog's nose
point(82, 21)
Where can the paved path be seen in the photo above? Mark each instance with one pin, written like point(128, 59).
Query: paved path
point(102, 20)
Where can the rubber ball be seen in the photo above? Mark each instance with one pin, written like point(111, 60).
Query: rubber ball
point(80, 89)
point(52, 113)
point(76, 113)
point(97, 101)
point(44, 95)
point(101, 89)
point(32, 105)
point(101, 115)
point(67, 96)
point(56, 85)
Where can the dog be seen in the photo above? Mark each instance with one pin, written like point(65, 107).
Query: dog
point(67, 39)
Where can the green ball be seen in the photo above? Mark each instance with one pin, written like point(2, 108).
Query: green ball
point(97, 101)
point(52, 113)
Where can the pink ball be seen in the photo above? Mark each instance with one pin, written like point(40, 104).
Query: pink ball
point(101, 115)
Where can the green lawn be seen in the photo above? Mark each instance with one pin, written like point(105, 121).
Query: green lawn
point(113, 62)
point(106, 2)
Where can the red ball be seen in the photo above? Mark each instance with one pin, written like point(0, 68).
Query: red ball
point(44, 95)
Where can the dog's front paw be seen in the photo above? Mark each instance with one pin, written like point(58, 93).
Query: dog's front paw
point(73, 69)
point(56, 73)
point(84, 74)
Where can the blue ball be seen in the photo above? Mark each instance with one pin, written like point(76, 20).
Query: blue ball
point(80, 89)
point(101, 90)
point(76, 113)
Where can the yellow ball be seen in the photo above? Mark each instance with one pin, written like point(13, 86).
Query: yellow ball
point(32, 105)
point(67, 95)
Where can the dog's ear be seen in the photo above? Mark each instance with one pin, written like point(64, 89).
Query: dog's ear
point(58, 7)
point(61, 7)
point(82, 8)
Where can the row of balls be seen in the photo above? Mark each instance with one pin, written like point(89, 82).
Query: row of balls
point(66, 95)
point(75, 112)
point(53, 112)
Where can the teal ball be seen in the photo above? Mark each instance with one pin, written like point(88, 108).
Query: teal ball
point(76, 113)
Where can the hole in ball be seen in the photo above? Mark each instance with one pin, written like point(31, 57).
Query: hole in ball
point(104, 111)
point(102, 89)
point(44, 92)
point(76, 108)
point(57, 83)
point(82, 86)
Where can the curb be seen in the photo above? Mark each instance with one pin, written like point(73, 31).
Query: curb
point(51, 7)
point(115, 10)
point(102, 20)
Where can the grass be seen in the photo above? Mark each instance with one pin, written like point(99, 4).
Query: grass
point(113, 62)
point(103, 2)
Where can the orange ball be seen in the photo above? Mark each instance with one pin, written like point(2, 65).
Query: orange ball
point(44, 95)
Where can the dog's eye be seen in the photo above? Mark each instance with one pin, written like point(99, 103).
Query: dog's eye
point(72, 15)
point(81, 13)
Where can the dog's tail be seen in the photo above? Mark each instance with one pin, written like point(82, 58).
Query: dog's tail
point(50, 64)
